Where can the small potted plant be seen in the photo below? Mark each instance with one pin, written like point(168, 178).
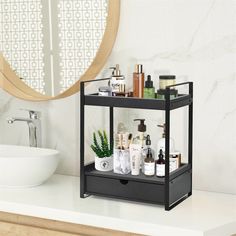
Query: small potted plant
point(103, 151)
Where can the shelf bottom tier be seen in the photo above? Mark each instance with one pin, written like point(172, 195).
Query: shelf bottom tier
point(138, 188)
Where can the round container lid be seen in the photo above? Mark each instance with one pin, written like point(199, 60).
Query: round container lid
point(163, 92)
point(167, 77)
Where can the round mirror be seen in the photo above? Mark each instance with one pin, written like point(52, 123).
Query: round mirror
point(47, 46)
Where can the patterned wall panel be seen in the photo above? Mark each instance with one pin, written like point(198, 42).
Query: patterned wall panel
point(81, 28)
point(80, 25)
point(21, 39)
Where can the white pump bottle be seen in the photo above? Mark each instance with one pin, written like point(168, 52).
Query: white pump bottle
point(162, 142)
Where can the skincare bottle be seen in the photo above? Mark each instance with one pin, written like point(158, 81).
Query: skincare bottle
point(141, 132)
point(117, 80)
point(162, 142)
point(149, 164)
point(145, 150)
point(138, 81)
point(148, 145)
point(173, 162)
point(176, 157)
point(149, 90)
point(139, 139)
point(160, 165)
point(135, 158)
point(148, 142)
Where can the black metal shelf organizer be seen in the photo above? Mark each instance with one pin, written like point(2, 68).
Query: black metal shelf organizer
point(170, 190)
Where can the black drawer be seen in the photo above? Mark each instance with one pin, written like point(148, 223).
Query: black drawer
point(125, 189)
point(180, 186)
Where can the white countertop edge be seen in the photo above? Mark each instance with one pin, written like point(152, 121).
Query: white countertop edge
point(94, 220)
point(203, 214)
point(227, 229)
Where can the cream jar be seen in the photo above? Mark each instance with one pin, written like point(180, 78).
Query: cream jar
point(166, 80)
point(104, 91)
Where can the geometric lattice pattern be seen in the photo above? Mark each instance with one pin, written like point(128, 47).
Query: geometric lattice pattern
point(81, 27)
point(21, 39)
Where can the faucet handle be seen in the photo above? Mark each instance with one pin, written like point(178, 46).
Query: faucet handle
point(34, 115)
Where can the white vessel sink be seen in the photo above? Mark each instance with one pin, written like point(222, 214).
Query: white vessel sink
point(22, 166)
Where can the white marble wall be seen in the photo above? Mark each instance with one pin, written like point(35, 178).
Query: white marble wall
point(193, 39)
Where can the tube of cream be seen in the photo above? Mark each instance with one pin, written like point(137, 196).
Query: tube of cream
point(135, 158)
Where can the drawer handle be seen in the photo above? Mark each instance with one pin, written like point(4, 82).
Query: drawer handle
point(124, 181)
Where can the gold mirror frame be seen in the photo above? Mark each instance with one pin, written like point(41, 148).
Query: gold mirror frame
point(12, 84)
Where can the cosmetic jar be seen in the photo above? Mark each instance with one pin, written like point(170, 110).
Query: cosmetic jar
point(161, 93)
point(166, 80)
point(177, 156)
point(104, 91)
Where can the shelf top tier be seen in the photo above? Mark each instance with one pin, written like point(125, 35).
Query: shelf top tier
point(140, 103)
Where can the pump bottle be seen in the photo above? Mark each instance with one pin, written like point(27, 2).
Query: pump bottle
point(140, 138)
point(162, 142)
point(117, 80)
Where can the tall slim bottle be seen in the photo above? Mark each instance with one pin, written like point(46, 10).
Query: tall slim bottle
point(138, 81)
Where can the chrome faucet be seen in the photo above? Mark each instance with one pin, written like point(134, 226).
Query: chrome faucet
point(34, 124)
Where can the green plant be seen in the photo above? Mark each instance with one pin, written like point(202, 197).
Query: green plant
point(102, 148)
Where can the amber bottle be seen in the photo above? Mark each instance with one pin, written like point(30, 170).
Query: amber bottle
point(160, 165)
point(138, 81)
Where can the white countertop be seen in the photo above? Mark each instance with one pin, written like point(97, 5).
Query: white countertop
point(203, 214)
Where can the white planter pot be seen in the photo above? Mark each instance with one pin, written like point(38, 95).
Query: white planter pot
point(104, 164)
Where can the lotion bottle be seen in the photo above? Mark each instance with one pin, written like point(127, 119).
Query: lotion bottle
point(162, 142)
point(135, 158)
point(140, 138)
